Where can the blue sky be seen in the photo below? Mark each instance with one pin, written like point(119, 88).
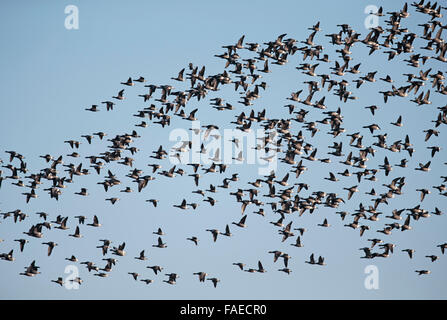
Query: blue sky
point(51, 74)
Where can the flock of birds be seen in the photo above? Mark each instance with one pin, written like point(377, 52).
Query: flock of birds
point(289, 196)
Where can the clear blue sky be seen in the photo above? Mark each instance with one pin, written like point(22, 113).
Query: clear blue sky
point(51, 74)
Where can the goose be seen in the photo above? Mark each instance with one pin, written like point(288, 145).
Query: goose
point(351, 191)
point(196, 177)
point(410, 252)
point(160, 244)
point(127, 190)
point(434, 149)
point(159, 232)
point(225, 184)
point(332, 177)
point(193, 239)
point(22, 243)
point(241, 223)
point(147, 281)
point(240, 157)
point(8, 256)
point(343, 214)
point(286, 258)
point(295, 96)
point(372, 127)
point(396, 214)
point(423, 192)
point(443, 247)
point(47, 158)
point(432, 257)
point(51, 246)
point(153, 201)
point(101, 274)
point(321, 261)
point(227, 232)
point(73, 143)
point(183, 205)
point(120, 95)
point(216, 157)
point(109, 106)
point(437, 212)
point(172, 278)
point(31, 270)
point(35, 231)
point(406, 225)
point(201, 192)
point(89, 138)
point(42, 215)
point(113, 200)
point(372, 108)
point(286, 270)
point(311, 157)
point(107, 268)
point(298, 243)
point(398, 122)
point(155, 268)
point(90, 266)
point(77, 233)
point(193, 205)
point(95, 223)
point(59, 281)
point(276, 255)
point(134, 275)
point(283, 182)
point(72, 259)
point(266, 67)
point(261, 268)
point(311, 259)
point(324, 224)
point(424, 167)
point(81, 219)
point(202, 275)
point(301, 230)
point(141, 256)
point(129, 82)
point(430, 133)
point(30, 195)
point(119, 251)
point(286, 231)
point(78, 280)
point(423, 272)
point(278, 223)
point(180, 76)
point(387, 230)
point(403, 163)
point(441, 57)
point(19, 184)
point(239, 264)
point(214, 281)
point(104, 247)
point(214, 232)
point(140, 79)
point(211, 201)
